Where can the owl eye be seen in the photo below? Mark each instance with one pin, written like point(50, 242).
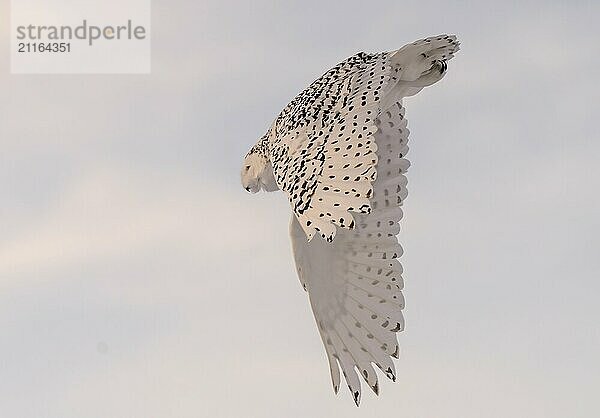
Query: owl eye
point(247, 167)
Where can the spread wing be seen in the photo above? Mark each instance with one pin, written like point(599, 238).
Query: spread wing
point(354, 283)
point(323, 149)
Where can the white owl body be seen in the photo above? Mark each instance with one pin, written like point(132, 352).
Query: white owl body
point(337, 151)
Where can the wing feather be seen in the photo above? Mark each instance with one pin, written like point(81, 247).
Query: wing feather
point(354, 283)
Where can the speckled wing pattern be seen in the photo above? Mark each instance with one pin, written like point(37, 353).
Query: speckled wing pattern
point(354, 278)
point(355, 282)
point(322, 146)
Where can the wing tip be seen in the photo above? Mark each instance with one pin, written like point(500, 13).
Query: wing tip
point(375, 388)
point(356, 396)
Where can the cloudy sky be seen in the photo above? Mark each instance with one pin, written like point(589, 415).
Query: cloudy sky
point(137, 278)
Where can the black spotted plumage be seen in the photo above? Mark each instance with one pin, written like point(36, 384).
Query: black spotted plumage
point(321, 144)
point(331, 121)
point(338, 151)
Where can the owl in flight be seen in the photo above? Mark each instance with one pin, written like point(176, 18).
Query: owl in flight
point(337, 151)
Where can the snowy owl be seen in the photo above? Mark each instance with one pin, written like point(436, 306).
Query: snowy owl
point(338, 151)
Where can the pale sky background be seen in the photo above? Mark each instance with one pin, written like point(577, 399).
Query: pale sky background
point(138, 280)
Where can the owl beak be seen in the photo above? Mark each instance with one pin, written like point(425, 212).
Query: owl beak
point(252, 188)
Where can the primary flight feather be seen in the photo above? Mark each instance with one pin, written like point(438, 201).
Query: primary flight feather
point(338, 151)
